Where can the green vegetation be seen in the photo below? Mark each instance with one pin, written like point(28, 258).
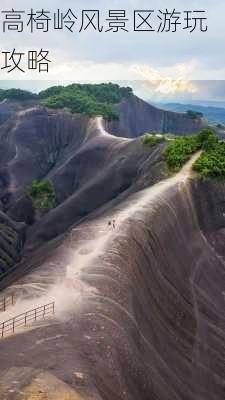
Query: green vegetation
point(43, 194)
point(151, 139)
point(194, 114)
point(211, 163)
point(89, 99)
point(16, 94)
point(180, 150)
point(92, 100)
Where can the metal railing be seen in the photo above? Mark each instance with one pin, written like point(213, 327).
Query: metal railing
point(6, 302)
point(26, 318)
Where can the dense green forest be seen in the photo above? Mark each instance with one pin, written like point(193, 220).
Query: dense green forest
point(99, 99)
point(89, 99)
point(180, 150)
point(211, 162)
point(16, 94)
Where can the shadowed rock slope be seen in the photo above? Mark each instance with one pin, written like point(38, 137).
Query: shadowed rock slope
point(75, 153)
point(87, 166)
point(138, 117)
point(139, 309)
point(12, 238)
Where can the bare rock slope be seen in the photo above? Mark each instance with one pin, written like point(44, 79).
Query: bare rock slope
point(87, 166)
point(139, 305)
point(139, 308)
point(138, 117)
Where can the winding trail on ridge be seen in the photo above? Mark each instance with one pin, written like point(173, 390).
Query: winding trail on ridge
point(139, 307)
point(102, 131)
point(82, 248)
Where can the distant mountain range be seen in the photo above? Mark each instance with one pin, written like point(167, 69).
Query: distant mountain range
point(214, 114)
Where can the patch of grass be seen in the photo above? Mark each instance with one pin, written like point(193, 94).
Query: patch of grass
point(151, 139)
point(42, 194)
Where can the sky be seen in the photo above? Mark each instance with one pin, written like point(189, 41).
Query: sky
point(171, 64)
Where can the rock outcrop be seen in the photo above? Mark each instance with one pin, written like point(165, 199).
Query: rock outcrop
point(77, 156)
point(138, 117)
point(137, 276)
point(139, 310)
point(12, 238)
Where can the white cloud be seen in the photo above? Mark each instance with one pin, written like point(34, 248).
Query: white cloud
point(110, 54)
point(169, 80)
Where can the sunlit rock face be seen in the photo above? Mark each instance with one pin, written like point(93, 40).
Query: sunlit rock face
point(138, 117)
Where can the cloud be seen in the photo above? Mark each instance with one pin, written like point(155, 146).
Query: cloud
point(170, 80)
point(167, 62)
point(156, 50)
point(169, 86)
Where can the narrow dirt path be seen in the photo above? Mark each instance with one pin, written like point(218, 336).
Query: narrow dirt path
point(60, 280)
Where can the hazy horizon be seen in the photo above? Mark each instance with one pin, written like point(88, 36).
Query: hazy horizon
point(205, 91)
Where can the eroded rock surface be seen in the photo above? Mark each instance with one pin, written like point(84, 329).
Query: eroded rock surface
point(138, 117)
point(12, 239)
point(139, 302)
point(140, 308)
point(29, 384)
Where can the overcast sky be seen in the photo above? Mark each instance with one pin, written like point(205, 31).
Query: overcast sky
point(150, 56)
